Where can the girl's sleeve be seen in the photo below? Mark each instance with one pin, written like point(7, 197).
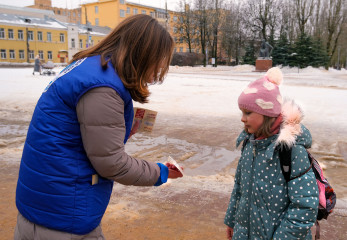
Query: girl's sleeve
point(303, 193)
point(229, 219)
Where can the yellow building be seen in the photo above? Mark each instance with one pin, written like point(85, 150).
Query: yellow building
point(62, 14)
point(111, 12)
point(26, 33)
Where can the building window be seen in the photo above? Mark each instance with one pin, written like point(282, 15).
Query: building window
point(121, 1)
point(81, 43)
point(74, 14)
point(49, 55)
point(3, 54)
point(128, 10)
point(30, 35)
point(49, 37)
point(143, 12)
point(20, 35)
point(175, 18)
point(181, 49)
point(96, 9)
point(41, 54)
point(96, 21)
point(58, 12)
point(62, 37)
point(39, 36)
point(122, 13)
point(12, 54)
point(10, 34)
point(31, 54)
point(2, 33)
point(152, 14)
point(175, 29)
point(72, 42)
point(21, 54)
point(135, 11)
point(181, 39)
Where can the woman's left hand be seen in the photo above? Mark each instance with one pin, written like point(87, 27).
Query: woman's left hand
point(134, 128)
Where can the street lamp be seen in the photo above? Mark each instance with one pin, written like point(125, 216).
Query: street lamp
point(27, 20)
point(338, 57)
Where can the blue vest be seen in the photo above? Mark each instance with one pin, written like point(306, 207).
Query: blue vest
point(54, 186)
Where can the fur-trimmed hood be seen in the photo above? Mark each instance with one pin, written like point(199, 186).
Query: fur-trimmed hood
point(292, 132)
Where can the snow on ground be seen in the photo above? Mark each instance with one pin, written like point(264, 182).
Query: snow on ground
point(198, 118)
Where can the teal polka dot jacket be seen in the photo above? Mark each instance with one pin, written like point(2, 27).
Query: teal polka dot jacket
point(262, 204)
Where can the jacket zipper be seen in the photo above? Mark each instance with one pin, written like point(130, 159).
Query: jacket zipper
point(251, 190)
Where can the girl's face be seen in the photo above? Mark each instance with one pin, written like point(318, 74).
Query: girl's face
point(252, 120)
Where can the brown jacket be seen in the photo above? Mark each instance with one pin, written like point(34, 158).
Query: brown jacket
point(100, 113)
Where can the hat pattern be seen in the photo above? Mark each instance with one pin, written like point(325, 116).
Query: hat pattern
point(263, 96)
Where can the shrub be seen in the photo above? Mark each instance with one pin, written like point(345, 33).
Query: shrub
point(187, 59)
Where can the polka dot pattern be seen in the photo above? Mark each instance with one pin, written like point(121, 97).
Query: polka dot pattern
point(262, 204)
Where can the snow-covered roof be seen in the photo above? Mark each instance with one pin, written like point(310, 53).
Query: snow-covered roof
point(14, 19)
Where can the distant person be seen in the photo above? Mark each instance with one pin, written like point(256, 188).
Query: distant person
point(74, 149)
point(37, 65)
point(263, 205)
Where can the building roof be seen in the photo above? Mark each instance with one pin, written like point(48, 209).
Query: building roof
point(24, 10)
point(27, 21)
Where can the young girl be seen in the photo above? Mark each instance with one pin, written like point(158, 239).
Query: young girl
point(263, 205)
point(74, 149)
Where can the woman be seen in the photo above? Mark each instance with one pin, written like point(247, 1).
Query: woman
point(75, 143)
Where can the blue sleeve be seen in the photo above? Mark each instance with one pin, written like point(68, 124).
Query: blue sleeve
point(164, 174)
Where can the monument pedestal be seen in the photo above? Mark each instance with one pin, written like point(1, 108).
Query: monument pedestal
point(262, 65)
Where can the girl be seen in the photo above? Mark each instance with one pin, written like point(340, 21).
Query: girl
point(263, 205)
point(74, 149)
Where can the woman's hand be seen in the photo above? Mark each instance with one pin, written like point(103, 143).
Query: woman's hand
point(134, 128)
point(230, 232)
point(173, 171)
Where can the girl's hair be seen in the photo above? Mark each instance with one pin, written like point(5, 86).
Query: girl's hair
point(140, 50)
point(265, 129)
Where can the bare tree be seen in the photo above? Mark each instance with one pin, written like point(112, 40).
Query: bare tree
point(214, 16)
point(185, 24)
point(303, 10)
point(257, 16)
point(201, 21)
point(335, 10)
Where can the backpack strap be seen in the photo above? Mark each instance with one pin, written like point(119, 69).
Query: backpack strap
point(285, 155)
point(244, 143)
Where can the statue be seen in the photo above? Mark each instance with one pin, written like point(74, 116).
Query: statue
point(265, 50)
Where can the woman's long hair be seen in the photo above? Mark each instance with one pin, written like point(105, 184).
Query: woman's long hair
point(140, 49)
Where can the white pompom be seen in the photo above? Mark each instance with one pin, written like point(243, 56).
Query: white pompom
point(274, 75)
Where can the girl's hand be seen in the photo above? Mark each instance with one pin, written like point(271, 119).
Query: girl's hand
point(230, 232)
point(173, 171)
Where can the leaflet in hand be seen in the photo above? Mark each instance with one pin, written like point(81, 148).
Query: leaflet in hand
point(145, 117)
point(172, 161)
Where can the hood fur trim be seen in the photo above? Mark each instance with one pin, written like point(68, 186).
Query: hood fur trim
point(291, 124)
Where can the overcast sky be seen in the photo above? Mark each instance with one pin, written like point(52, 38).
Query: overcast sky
point(172, 4)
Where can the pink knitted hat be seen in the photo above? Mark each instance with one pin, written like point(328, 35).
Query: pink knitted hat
point(263, 95)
